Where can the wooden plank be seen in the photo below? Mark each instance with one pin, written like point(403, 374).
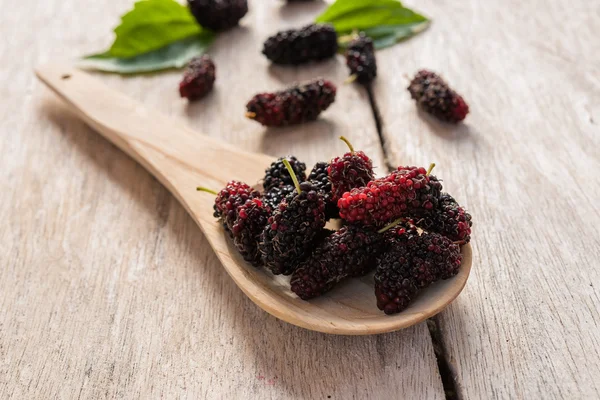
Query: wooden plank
point(524, 164)
point(108, 288)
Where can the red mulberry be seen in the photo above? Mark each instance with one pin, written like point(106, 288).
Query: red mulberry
point(435, 97)
point(296, 46)
point(353, 170)
point(295, 105)
point(218, 15)
point(351, 251)
point(360, 59)
point(404, 192)
point(198, 78)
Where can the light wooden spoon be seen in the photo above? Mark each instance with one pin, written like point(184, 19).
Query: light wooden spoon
point(182, 159)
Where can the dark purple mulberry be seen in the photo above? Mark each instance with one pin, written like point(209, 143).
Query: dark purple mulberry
point(360, 59)
point(403, 193)
point(448, 219)
point(218, 15)
point(288, 236)
point(435, 97)
point(252, 217)
point(353, 170)
point(296, 46)
point(233, 195)
point(295, 105)
point(320, 179)
point(198, 78)
point(277, 175)
point(351, 251)
point(274, 196)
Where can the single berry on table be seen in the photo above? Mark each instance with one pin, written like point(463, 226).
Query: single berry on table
point(218, 15)
point(349, 252)
point(198, 78)
point(277, 174)
point(448, 219)
point(434, 96)
point(288, 237)
point(360, 59)
point(313, 42)
point(295, 105)
point(353, 170)
point(320, 179)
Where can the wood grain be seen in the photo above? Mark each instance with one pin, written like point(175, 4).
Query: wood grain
point(108, 288)
point(524, 163)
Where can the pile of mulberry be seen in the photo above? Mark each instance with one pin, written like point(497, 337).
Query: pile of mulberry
point(435, 97)
point(360, 59)
point(251, 219)
point(353, 170)
point(407, 191)
point(448, 219)
point(295, 105)
point(290, 231)
point(277, 174)
point(348, 252)
point(218, 15)
point(319, 178)
point(198, 78)
point(296, 46)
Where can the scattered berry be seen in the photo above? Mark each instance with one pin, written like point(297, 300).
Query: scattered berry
point(320, 179)
point(287, 238)
point(218, 15)
point(296, 46)
point(404, 192)
point(350, 251)
point(277, 174)
point(198, 78)
point(251, 219)
point(360, 59)
point(435, 97)
point(295, 105)
point(353, 170)
point(448, 219)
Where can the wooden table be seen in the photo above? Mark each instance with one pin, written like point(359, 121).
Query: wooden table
point(109, 290)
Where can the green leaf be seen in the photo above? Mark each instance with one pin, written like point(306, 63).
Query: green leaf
point(175, 55)
point(151, 25)
point(386, 21)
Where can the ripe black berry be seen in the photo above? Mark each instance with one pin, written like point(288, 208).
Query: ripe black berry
point(296, 46)
point(350, 251)
point(295, 105)
point(198, 78)
point(319, 178)
point(435, 97)
point(448, 219)
point(218, 15)
point(277, 174)
point(353, 170)
point(274, 196)
point(360, 59)
point(251, 219)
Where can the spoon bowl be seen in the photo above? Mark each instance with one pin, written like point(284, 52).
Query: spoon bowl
point(181, 159)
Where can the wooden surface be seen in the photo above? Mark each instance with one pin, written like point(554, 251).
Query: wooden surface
point(108, 288)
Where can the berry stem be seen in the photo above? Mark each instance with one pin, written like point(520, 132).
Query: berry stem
point(431, 167)
point(250, 115)
point(391, 225)
point(292, 174)
point(348, 143)
point(207, 190)
point(351, 79)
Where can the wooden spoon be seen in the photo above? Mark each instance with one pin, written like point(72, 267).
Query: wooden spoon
point(182, 159)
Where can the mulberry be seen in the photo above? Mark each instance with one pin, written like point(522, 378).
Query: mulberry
point(218, 15)
point(360, 59)
point(233, 195)
point(353, 170)
point(435, 97)
point(274, 196)
point(287, 238)
point(277, 174)
point(448, 219)
point(319, 178)
point(198, 78)
point(404, 192)
point(350, 251)
point(296, 46)
point(251, 219)
point(295, 105)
